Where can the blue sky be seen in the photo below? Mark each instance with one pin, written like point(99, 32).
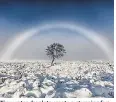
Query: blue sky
point(18, 15)
point(97, 14)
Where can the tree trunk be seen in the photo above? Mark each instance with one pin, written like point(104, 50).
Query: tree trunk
point(52, 61)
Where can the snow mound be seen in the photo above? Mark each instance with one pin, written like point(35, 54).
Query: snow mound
point(66, 79)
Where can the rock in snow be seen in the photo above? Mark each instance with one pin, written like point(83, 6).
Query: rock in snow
point(73, 79)
point(81, 93)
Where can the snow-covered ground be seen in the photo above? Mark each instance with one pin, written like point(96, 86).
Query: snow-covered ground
point(66, 79)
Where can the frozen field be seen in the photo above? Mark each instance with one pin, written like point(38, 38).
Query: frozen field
point(66, 79)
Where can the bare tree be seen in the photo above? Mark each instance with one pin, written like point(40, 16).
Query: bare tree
point(54, 51)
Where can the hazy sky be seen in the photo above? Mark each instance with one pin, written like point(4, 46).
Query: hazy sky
point(19, 15)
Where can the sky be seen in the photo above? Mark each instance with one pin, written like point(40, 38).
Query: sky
point(19, 15)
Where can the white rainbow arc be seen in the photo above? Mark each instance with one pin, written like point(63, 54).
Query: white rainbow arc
point(97, 39)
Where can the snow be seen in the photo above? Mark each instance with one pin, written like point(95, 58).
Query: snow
point(66, 79)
